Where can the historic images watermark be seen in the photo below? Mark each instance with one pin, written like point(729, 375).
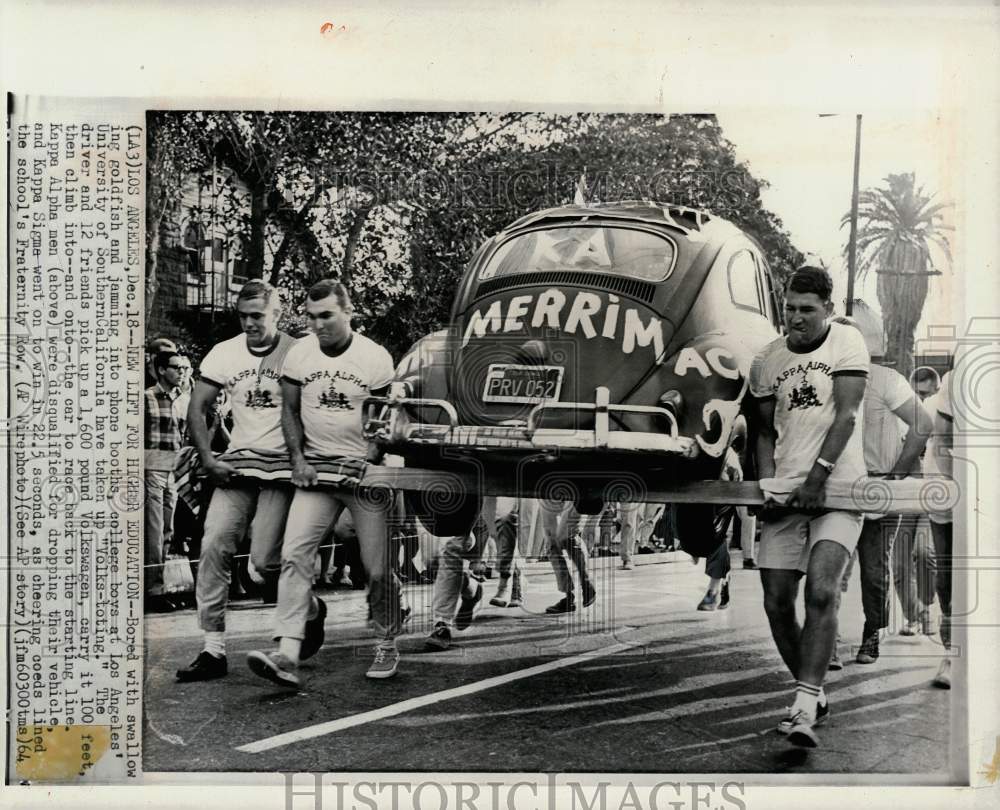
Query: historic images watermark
point(318, 791)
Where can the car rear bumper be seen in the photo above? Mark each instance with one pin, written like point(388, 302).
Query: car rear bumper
point(394, 430)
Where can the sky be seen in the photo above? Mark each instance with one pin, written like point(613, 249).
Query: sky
point(808, 161)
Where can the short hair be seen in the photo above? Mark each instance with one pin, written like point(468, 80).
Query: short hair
point(811, 279)
point(327, 287)
point(161, 344)
point(925, 374)
point(162, 359)
point(255, 288)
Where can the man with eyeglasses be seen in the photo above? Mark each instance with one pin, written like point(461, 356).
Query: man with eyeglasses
point(166, 430)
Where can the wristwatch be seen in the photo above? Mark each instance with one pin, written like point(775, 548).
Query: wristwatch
point(826, 465)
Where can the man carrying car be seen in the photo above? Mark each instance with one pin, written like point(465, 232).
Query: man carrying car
point(325, 380)
point(809, 386)
point(248, 368)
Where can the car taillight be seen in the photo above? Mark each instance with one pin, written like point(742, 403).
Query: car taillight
point(673, 401)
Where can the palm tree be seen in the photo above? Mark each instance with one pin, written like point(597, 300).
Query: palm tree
point(897, 224)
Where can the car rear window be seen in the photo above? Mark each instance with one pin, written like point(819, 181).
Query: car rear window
point(617, 251)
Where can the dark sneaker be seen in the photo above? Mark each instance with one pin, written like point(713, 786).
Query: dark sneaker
point(467, 608)
point(275, 668)
point(801, 733)
point(750, 565)
point(158, 603)
point(386, 661)
point(822, 713)
point(710, 602)
point(206, 667)
point(440, 637)
point(564, 605)
point(835, 664)
point(868, 651)
point(589, 594)
point(943, 678)
point(724, 598)
point(315, 632)
point(516, 590)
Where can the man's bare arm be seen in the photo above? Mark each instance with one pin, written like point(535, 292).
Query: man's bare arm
point(944, 441)
point(920, 425)
point(303, 473)
point(202, 397)
point(766, 437)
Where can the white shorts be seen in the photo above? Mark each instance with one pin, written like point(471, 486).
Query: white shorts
point(787, 542)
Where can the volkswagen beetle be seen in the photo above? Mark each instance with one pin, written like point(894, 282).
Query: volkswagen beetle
point(591, 346)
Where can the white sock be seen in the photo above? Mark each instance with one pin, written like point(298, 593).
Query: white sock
point(806, 698)
point(821, 700)
point(290, 648)
point(215, 643)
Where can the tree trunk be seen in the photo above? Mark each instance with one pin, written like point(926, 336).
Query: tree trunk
point(255, 245)
point(902, 300)
point(152, 257)
point(350, 249)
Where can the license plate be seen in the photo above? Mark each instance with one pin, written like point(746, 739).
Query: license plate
point(510, 383)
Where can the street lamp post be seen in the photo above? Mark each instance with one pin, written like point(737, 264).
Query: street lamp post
point(852, 247)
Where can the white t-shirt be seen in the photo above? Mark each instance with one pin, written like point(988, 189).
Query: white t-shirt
point(253, 383)
point(802, 385)
point(333, 389)
point(883, 431)
point(939, 403)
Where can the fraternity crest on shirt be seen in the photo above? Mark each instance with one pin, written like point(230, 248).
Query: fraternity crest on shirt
point(331, 398)
point(803, 396)
point(258, 397)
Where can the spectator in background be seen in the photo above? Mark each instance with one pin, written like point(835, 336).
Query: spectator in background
point(913, 551)
point(717, 564)
point(925, 382)
point(153, 348)
point(457, 591)
point(561, 525)
point(186, 383)
point(889, 407)
point(165, 435)
point(502, 517)
point(940, 454)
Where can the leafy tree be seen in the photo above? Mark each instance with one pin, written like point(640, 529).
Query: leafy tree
point(897, 225)
point(395, 204)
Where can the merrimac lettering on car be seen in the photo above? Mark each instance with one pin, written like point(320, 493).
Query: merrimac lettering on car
point(584, 315)
point(689, 358)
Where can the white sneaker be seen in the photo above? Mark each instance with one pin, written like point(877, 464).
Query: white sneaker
point(943, 678)
point(822, 713)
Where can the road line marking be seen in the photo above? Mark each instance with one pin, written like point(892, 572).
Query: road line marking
point(333, 726)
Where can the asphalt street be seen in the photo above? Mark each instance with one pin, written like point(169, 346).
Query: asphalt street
point(639, 682)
